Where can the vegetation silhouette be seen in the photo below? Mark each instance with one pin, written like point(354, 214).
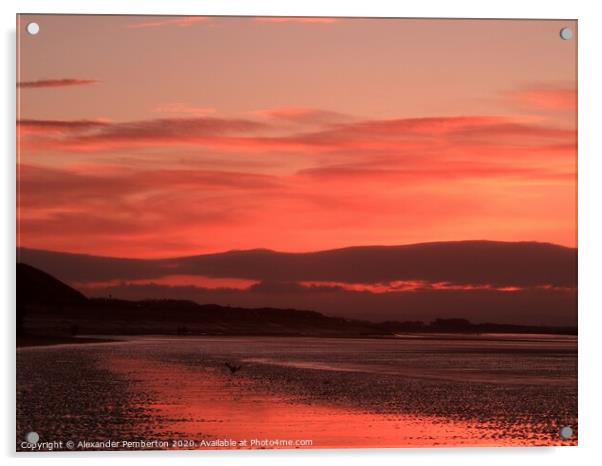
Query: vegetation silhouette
point(48, 307)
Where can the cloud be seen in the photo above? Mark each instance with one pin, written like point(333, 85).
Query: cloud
point(200, 131)
point(303, 115)
point(421, 285)
point(453, 127)
point(134, 209)
point(296, 19)
point(424, 172)
point(292, 179)
point(368, 135)
point(547, 99)
point(198, 281)
point(183, 108)
point(55, 83)
point(69, 188)
point(183, 21)
point(158, 205)
point(55, 127)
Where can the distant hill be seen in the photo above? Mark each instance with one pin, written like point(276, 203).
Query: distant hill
point(526, 283)
point(46, 306)
point(499, 263)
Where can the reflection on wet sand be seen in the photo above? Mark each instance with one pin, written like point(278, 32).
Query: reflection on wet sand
point(335, 393)
point(207, 404)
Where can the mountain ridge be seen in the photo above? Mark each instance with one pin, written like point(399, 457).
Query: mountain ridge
point(493, 262)
point(47, 307)
point(313, 251)
point(529, 283)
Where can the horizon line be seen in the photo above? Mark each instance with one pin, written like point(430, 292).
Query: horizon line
point(292, 252)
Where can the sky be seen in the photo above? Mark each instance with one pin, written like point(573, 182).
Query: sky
point(154, 137)
point(161, 136)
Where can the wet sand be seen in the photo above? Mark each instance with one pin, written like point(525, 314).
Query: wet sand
point(26, 341)
point(313, 392)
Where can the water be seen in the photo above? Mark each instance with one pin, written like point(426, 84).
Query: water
point(416, 390)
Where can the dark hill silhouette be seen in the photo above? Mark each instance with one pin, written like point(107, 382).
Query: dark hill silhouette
point(477, 274)
point(464, 262)
point(38, 290)
point(37, 287)
point(47, 306)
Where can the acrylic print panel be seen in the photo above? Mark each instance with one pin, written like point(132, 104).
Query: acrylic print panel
point(253, 232)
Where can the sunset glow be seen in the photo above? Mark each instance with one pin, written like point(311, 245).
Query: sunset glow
point(167, 155)
point(295, 232)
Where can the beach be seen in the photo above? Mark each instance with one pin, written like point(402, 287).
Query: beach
point(161, 392)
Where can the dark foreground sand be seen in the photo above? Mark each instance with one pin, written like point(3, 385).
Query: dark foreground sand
point(313, 392)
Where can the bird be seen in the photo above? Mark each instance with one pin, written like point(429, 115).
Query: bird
point(233, 369)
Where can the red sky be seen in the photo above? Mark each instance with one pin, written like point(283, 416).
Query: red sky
point(154, 137)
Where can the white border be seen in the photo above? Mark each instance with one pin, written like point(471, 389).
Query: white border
point(590, 224)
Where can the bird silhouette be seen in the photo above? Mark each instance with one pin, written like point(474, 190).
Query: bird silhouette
point(233, 369)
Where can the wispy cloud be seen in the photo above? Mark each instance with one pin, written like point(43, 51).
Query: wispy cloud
point(183, 21)
point(303, 115)
point(250, 135)
point(408, 179)
point(296, 19)
point(125, 206)
point(199, 131)
point(184, 109)
point(434, 170)
point(547, 98)
point(64, 82)
point(55, 127)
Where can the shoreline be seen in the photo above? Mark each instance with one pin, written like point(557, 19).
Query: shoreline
point(35, 341)
point(44, 340)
